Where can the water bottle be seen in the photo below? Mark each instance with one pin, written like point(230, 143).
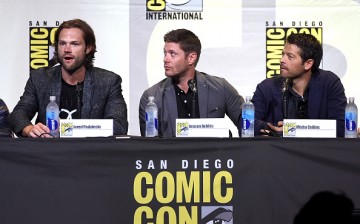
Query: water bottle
point(351, 116)
point(151, 111)
point(52, 117)
point(248, 118)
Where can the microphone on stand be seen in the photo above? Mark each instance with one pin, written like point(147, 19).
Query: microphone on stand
point(78, 97)
point(285, 90)
point(193, 87)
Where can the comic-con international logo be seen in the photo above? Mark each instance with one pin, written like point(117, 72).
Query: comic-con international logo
point(290, 129)
point(174, 9)
point(66, 128)
point(192, 191)
point(41, 39)
point(276, 35)
point(182, 129)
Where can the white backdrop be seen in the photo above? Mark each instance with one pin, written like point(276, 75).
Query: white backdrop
point(232, 32)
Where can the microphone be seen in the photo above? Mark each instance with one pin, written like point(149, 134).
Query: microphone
point(78, 97)
point(161, 123)
point(285, 85)
point(193, 87)
point(78, 87)
point(284, 90)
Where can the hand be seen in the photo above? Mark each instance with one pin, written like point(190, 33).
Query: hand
point(273, 130)
point(278, 128)
point(358, 131)
point(37, 131)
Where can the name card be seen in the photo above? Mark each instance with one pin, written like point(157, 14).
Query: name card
point(80, 128)
point(309, 128)
point(202, 127)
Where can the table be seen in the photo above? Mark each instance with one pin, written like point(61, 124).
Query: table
point(150, 180)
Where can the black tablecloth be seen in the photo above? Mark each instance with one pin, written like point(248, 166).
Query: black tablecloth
point(147, 180)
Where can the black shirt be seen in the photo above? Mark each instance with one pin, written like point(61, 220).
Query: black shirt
point(298, 105)
point(70, 94)
point(185, 103)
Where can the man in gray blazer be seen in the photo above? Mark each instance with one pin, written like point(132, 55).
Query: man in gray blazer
point(213, 96)
point(82, 91)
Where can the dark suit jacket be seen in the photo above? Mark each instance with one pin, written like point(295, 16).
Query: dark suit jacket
point(4, 113)
point(326, 100)
point(102, 98)
point(216, 98)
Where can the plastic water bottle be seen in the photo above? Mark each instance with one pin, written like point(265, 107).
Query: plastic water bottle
point(248, 118)
point(151, 111)
point(351, 118)
point(52, 117)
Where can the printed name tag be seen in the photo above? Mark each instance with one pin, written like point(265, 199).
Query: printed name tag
point(77, 128)
point(202, 127)
point(309, 128)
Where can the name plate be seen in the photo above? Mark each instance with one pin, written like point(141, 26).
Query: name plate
point(309, 128)
point(202, 127)
point(80, 128)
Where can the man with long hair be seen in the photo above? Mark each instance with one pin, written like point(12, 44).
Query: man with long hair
point(82, 91)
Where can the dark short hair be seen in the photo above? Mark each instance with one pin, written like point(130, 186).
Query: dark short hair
point(187, 40)
point(88, 35)
point(326, 207)
point(310, 48)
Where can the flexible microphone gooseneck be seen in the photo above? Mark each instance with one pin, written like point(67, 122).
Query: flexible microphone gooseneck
point(193, 87)
point(78, 97)
point(285, 94)
point(160, 122)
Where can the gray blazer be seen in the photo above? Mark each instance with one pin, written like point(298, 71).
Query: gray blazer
point(216, 98)
point(102, 98)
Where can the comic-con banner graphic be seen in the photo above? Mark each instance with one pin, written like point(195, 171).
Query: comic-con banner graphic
point(184, 191)
point(174, 9)
point(41, 40)
point(275, 40)
point(170, 181)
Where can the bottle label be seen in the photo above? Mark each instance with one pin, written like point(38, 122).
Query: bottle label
point(247, 119)
point(152, 120)
point(51, 122)
point(156, 123)
point(350, 123)
point(151, 124)
point(245, 124)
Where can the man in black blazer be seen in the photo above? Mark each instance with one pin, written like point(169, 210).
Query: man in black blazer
point(302, 91)
point(82, 91)
point(4, 113)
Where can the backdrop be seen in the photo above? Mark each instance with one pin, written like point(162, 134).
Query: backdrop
point(242, 40)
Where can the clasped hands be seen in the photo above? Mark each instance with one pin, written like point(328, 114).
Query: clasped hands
point(272, 130)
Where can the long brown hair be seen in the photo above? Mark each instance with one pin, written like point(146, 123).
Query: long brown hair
point(88, 35)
